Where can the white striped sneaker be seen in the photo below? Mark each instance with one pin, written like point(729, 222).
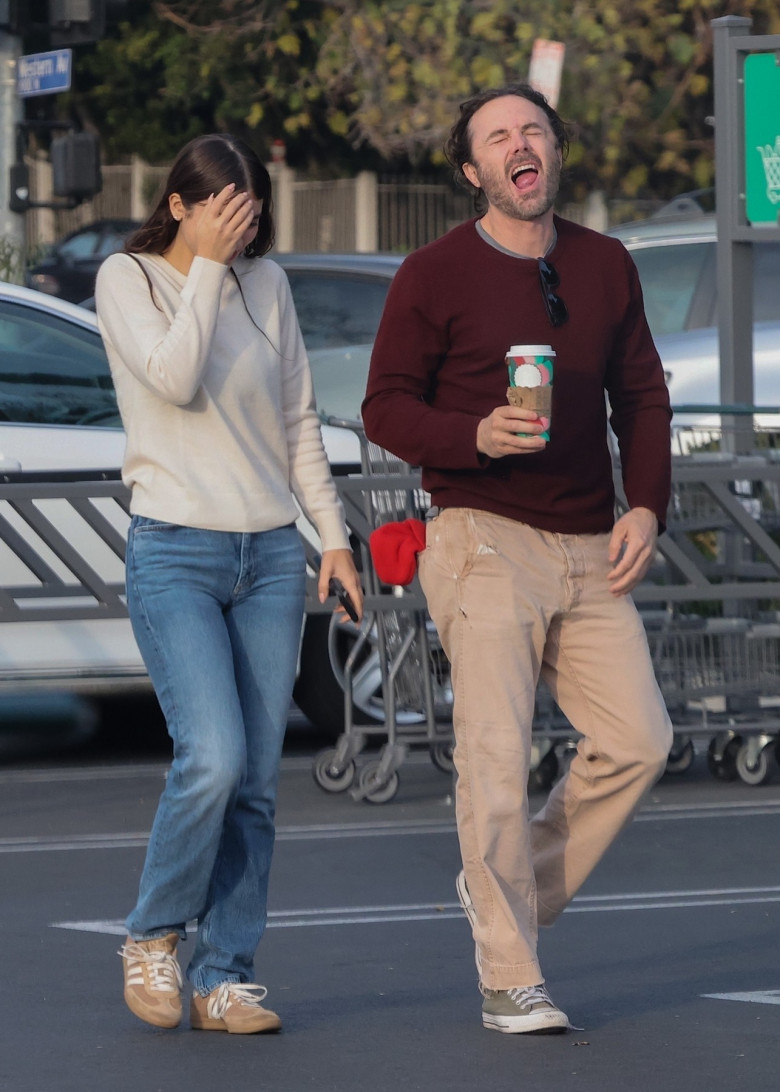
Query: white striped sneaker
point(153, 980)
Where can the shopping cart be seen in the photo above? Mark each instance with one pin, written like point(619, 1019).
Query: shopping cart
point(720, 678)
point(396, 642)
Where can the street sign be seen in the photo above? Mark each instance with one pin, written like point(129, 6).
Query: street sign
point(44, 73)
point(762, 138)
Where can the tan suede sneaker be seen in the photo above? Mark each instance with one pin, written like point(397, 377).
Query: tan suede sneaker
point(233, 1007)
point(153, 980)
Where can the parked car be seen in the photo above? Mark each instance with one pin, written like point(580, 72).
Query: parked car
point(676, 259)
point(69, 267)
point(58, 413)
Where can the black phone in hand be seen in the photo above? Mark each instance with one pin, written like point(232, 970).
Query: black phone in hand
point(335, 587)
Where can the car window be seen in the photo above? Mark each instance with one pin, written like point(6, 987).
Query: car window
point(766, 282)
point(672, 279)
point(339, 377)
point(52, 372)
point(679, 284)
point(82, 245)
point(336, 309)
point(110, 243)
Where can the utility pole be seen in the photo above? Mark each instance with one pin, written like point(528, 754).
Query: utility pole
point(12, 226)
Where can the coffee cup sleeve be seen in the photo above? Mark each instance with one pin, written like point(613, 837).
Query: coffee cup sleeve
point(536, 399)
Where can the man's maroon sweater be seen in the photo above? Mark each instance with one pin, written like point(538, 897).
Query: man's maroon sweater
point(453, 310)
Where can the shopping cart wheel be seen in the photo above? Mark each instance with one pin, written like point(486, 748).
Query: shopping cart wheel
point(377, 790)
point(755, 769)
point(680, 757)
point(328, 775)
point(441, 756)
point(723, 766)
point(545, 773)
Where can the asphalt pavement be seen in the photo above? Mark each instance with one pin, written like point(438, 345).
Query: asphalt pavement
point(668, 961)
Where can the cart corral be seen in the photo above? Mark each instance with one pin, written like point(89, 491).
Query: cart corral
point(711, 606)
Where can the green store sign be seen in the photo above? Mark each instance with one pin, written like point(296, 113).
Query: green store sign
point(762, 138)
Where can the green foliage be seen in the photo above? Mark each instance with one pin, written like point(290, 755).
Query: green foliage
point(12, 261)
point(362, 83)
point(185, 67)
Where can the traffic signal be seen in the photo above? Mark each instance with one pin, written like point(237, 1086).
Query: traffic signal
point(19, 188)
point(74, 22)
point(13, 16)
point(75, 164)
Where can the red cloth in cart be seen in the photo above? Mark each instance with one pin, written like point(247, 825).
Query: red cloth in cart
point(394, 548)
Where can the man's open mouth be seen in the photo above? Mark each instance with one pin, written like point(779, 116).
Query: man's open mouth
point(524, 175)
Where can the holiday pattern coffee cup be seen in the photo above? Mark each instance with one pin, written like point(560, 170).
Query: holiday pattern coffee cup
point(530, 370)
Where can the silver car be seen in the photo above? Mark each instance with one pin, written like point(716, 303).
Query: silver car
point(676, 259)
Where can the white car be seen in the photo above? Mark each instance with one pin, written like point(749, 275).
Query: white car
point(58, 417)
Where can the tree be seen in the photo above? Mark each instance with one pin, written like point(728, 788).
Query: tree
point(184, 67)
point(366, 83)
point(637, 83)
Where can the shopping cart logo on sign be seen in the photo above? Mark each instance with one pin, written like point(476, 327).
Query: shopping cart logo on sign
point(771, 160)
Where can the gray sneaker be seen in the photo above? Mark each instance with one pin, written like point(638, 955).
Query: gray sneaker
point(522, 1009)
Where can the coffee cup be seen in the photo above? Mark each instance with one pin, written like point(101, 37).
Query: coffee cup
point(530, 370)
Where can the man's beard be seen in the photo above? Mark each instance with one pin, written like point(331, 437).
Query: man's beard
point(521, 206)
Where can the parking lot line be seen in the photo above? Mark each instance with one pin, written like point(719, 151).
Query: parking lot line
point(374, 915)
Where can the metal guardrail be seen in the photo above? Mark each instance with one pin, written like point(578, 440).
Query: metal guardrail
point(63, 582)
point(52, 526)
point(719, 544)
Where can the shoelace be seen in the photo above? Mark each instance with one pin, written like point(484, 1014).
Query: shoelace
point(529, 995)
point(244, 993)
point(163, 970)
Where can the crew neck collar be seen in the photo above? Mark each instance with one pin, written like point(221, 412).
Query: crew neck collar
point(513, 253)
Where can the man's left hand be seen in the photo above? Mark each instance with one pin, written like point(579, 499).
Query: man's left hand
point(631, 549)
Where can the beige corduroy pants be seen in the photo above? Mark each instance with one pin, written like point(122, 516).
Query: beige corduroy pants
point(512, 603)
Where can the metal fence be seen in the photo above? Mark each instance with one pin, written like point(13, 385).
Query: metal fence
point(412, 212)
point(365, 213)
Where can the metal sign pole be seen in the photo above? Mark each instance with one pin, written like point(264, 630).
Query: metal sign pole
point(735, 258)
point(742, 64)
point(12, 226)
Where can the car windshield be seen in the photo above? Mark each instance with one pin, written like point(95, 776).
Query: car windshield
point(337, 309)
point(82, 245)
point(339, 315)
point(671, 276)
point(679, 284)
point(339, 377)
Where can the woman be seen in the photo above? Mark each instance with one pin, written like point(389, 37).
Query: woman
point(222, 437)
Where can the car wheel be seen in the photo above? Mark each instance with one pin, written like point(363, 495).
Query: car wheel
point(319, 689)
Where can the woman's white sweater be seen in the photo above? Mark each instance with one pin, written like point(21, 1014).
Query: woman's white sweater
point(222, 429)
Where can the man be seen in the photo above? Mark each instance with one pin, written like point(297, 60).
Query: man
point(525, 570)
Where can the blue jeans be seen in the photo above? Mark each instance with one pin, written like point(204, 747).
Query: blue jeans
point(217, 616)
